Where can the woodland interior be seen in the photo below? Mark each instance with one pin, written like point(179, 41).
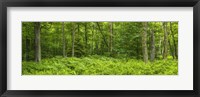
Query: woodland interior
point(100, 48)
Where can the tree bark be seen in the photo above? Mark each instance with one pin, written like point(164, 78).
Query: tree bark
point(27, 48)
point(93, 39)
point(144, 43)
point(86, 39)
point(159, 51)
point(165, 51)
point(171, 49)
point(111, 34)
point(73, 39)
point(152, 46)
point(78, 34)
point(64, 40)
point(37, 42)
point(138, 54)
point(170, 46)
point(174, 42)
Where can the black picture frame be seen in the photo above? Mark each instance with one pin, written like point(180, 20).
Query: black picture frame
point(99, 3)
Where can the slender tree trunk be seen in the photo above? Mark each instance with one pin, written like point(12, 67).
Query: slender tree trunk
point(96, 46)
point(64, 41)
point(27, 48)
point(144, 43)
point(73, 39)
point(86, 39)
point(171, 49)
point(137, 40)
point(111, 34)
point(31, 44)
point(174, 42)
point(78, 33)
point(96, 41)
point(165, 51)
point(159, 46)
point(152, 46)
point(92, 39)
point(37, 42)
point(104, 38)
point(113, 38)
point(170, 46)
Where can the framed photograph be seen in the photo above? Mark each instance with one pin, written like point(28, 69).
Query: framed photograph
point(64, 48)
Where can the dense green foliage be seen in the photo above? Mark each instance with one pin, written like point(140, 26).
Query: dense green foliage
point(100, 48)
point(98, 65)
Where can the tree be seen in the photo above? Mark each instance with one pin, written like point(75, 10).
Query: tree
point(64, 40)
point(104, 38)
point(152, 45)
point(174, 42)
point(73, 38)
point(165, 50)
point(111, 34)
point(170, 46)
point(37, 42)
point(144, 42)
point(86, 39)
point(93, 40)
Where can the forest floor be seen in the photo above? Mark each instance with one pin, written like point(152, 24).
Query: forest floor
point(99, 65)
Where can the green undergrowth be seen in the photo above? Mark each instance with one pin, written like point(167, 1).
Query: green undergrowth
point(99, 65)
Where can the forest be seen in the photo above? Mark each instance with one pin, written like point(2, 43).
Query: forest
point(99, 48)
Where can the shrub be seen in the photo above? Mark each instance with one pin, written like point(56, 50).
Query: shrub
point(99, 65)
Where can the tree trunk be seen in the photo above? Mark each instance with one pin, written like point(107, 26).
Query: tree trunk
point(165, 50)
point(73, 39)
point(64, 41)
point(171, 49)
point(174, 42)
point(78, 34)
point(111, 34)
point(31, 44)
point(144, 43)
point(152, 46)
point(86, 39)
point(93, 39)
point(27, 48)
point(138, 54)
point(37, 42)
point(170, 46)
point(104, 39)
